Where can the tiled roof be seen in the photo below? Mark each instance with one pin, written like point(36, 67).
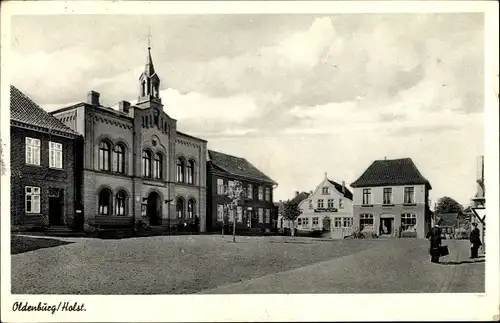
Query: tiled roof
point(338, 187)
point(300, 197)
point(24, 110)
point(448, 219)
point(391, 172)
point(236, 166)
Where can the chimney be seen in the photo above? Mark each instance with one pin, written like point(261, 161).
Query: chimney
point(93, 98)
point(343, 187)
point(296, 193)
point(124, 106)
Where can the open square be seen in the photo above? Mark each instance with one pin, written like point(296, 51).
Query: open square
point(213, 264)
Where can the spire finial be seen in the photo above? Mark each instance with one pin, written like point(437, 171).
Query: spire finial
point(149, 38)
point(326, 175)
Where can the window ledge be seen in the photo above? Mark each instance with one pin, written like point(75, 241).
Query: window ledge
point(409, 204)
point(367, 205)
point(35, 165)
point(387, 205)
point(56, 168)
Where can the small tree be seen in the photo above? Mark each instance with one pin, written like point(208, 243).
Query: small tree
point(234, 195)
point(448, 205)
point(291, 212)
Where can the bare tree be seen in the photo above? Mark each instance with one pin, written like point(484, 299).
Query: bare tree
point(234, 194)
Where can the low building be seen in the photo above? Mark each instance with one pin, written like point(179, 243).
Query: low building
point(255, 211)
point(391, 198)
point(297, 198)
point(449, 224)
point(328, 208)
point(43, 166)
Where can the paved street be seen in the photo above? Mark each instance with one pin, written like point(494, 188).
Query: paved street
point(212, 264)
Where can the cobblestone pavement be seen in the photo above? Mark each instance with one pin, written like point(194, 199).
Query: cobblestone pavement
point(403, 266)
point(213, 264)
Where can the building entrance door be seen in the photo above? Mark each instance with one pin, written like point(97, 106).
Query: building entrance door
point(387, 226)
point(56, 207)
point(153, 209)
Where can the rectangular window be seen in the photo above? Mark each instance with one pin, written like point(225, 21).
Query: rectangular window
point(365, 220)
point(268, 194)
point(311, 205)
point(341, 203)
point(347, 222)
point(55, 155)
point(261, 193)
point(387, 196)
point(250, 191)
point(32, 199)
point(409, 222)
point(305, 222)
point(325, 191)
point(409, 195)
point(367, 196)
point(320, 204)
point(261, 215)
point(268, 216)
point(331, 203)
point(32, 151)
point(315, 221)
point(220, 213)
point(220, 186)
point(239, 212)
point(337, 222)
point(299, 221)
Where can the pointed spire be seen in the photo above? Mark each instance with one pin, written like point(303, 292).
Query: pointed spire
point(150, 69)
point(326, 175)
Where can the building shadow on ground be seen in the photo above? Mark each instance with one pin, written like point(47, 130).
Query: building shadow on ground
point(472, 261)
point(20, 244)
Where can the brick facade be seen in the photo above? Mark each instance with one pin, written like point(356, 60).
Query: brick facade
point(250, 206)
point(42, 176)
point(144, 128)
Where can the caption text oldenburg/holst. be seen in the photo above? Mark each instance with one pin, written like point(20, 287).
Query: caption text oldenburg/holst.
point(45, 307)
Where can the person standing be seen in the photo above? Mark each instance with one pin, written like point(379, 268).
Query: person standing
point(475, 240)
point(434, 237)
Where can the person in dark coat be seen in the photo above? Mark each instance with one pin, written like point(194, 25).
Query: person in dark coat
point(434, 237)
point(475, 240)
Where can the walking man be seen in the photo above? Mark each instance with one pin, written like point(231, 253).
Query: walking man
point(475, 241)
point(434, 237)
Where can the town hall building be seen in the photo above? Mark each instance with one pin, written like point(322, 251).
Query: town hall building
point(137, 167)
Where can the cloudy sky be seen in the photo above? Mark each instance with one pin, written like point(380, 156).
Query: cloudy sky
point(297, 95)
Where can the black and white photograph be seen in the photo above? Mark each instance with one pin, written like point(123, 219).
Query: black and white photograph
point(274, 157)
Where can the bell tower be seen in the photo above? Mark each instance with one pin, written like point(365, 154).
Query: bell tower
point(149, 83)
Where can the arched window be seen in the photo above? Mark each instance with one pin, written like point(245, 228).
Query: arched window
point(146, 163)
point(157, 166)
point(118, 159)
point(121, 205)
point(180, 208)
point(104, 150)
point(190, 172)
point(191, 206)
point(180, 170)
point(105, 202)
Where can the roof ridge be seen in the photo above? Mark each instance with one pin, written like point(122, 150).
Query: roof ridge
point(14, 91)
